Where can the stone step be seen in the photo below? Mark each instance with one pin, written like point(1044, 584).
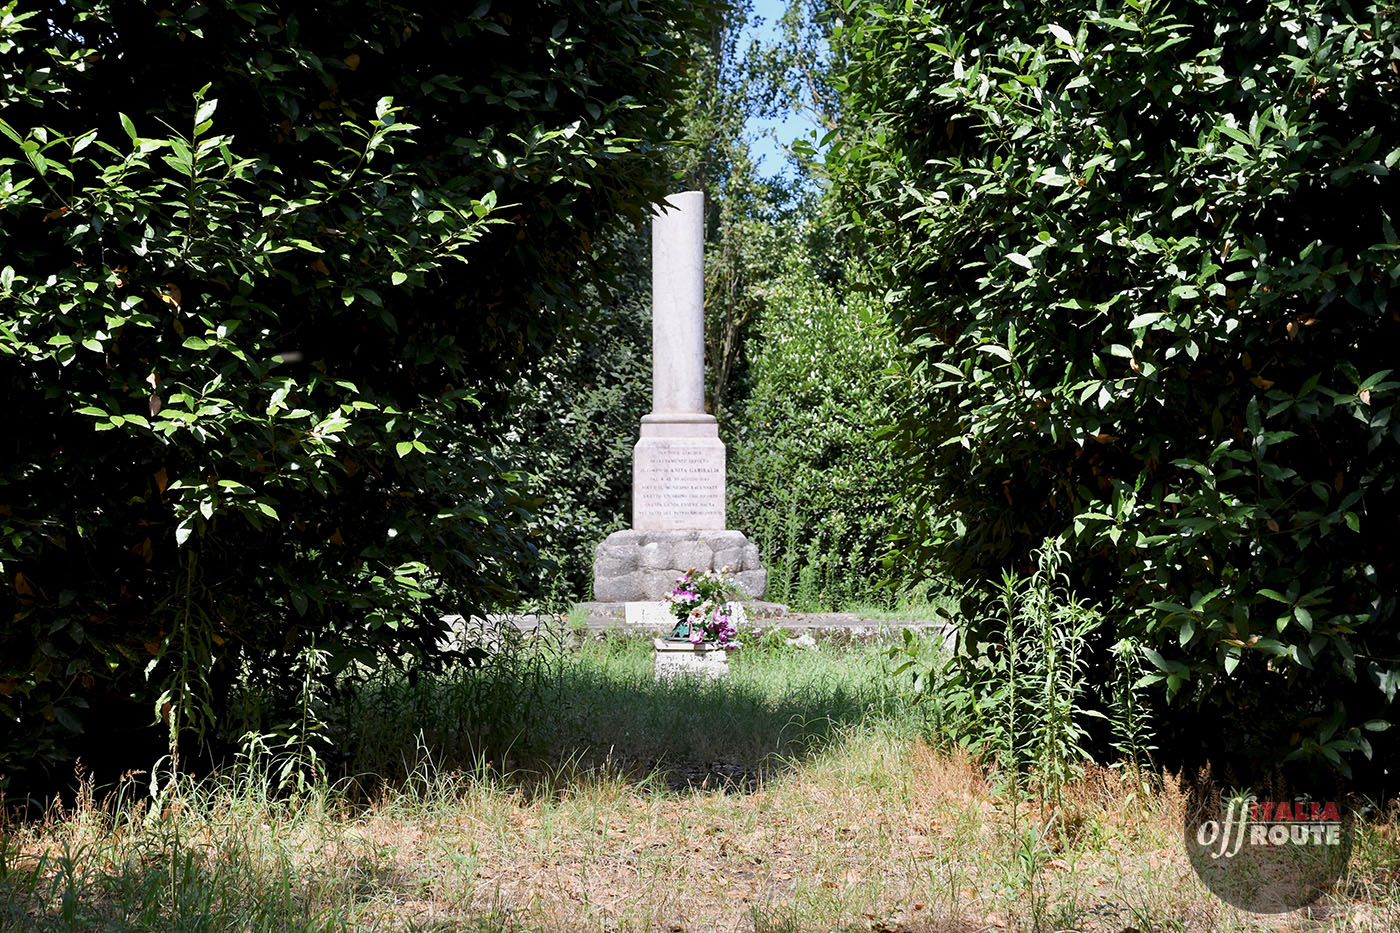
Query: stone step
point(600, 620)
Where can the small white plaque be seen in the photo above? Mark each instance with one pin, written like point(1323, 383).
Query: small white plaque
point(649, 614)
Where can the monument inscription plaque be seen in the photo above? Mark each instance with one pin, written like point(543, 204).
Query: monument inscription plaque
point(678, 483)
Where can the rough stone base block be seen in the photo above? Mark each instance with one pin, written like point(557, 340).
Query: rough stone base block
point(682, 659)
point(633, 565)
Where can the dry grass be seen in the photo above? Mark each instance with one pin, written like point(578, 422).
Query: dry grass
point(875, 830)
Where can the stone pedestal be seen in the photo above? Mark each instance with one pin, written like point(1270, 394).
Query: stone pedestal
point(682, 659)
point(636, 565)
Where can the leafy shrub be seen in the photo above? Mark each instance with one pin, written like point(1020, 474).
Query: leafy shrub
point(808, 477)
point(1016, 689)
point(269, 275)
point(1143, 258)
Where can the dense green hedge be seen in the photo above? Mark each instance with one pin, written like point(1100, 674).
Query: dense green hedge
point(269, 274)
point(809, 478)
point(1143, 256)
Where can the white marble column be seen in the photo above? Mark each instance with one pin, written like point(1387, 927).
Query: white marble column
point(678, 305)
point(678, 465)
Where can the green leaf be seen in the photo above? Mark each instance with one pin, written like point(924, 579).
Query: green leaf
point(1162, 664)
point(1304, 617)
point(67, 719)
point(1233, 133)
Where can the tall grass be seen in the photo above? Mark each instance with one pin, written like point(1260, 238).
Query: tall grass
point(811, 568)
point(238, 850)
point(798, 795)
point(1016, 693)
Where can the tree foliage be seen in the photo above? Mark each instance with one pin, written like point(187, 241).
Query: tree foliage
point(1143, 255)
point(810, 478)
point(730, 85)
point(573, 422)
point(269, 272)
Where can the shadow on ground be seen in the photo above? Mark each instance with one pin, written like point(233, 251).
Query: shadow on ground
point(556, 716)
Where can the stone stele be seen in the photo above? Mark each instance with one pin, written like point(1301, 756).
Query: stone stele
point(678, 464)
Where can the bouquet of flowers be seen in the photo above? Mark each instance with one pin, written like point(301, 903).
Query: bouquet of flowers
point(704, 608)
